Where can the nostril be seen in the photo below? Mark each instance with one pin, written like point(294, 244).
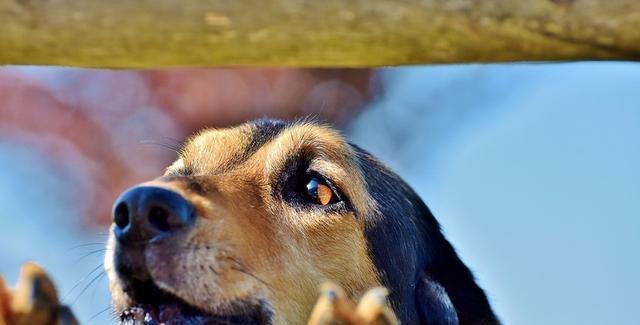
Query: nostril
point(159, 219)
point(121, 215)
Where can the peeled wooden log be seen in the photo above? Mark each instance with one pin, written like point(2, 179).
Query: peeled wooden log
point(164, 33)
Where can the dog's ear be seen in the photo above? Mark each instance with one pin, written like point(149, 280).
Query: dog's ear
point(434, 305)
point(407, 245)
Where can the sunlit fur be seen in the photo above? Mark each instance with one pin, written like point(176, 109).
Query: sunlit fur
point(248, 243)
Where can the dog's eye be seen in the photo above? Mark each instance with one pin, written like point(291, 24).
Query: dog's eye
point(319, 192)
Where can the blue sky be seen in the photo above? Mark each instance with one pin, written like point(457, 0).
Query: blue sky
point(533, 172)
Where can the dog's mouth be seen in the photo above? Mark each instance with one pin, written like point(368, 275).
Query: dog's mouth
point(154, 306)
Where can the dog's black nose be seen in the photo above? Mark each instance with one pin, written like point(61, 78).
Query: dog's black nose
point(146, 214)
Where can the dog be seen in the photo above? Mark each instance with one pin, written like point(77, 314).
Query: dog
point(250, 220)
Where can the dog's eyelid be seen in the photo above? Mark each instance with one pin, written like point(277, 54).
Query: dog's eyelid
point(314, 173)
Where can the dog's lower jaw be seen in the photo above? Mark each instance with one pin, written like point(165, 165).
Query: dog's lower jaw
point(152, 305)
point(176, 313)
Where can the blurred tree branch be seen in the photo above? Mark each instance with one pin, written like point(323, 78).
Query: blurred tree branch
point(155, 33)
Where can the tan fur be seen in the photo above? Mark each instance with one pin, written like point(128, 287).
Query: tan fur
point(288, 252)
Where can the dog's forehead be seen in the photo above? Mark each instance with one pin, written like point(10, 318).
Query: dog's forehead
point(221, 150)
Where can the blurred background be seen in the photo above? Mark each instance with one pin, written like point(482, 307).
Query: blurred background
point(532, 169)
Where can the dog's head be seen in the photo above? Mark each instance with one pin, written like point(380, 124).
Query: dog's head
point(250, 220)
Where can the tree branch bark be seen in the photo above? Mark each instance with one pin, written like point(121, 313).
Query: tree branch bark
point(354, 33)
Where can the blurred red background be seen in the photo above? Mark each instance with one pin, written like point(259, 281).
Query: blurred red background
point(108, 130)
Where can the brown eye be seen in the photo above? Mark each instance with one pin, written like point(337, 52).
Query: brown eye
point(319, 192)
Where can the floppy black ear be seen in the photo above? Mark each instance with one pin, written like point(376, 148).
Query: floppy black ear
point(434, 305)
point(426, 278)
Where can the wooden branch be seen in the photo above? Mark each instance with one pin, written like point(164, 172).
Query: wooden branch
point(347, 33)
